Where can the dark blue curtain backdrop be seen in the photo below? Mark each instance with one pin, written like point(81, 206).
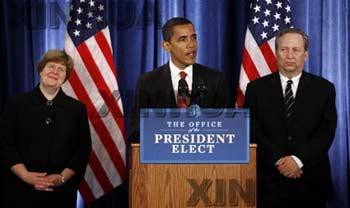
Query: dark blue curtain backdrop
point(30, 27)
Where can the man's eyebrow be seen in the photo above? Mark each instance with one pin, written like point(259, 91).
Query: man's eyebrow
point(183, 36)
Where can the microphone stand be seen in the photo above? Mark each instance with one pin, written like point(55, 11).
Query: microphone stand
point(202, 91)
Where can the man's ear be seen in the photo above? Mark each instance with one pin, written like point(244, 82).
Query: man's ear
point(166, 45)
point(306, 55)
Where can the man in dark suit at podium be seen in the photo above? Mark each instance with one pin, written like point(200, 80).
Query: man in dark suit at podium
point(180, 82)
point(293, 120)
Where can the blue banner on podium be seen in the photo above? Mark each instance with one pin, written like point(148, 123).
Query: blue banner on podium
point(194, 135)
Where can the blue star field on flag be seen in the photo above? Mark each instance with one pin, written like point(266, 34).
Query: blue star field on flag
point(86, 18)
point(268, 17)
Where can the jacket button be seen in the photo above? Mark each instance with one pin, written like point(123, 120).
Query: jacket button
point(290, 138)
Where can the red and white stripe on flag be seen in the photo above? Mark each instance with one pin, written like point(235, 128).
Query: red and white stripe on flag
point(94, 82)
point(267, 18)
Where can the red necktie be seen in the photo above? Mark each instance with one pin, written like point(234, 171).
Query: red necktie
point(183, 101)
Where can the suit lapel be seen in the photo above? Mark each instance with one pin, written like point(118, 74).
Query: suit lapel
point(169, 97)
point(277, 94)
point(198, 79)
point(195, 74)
point(301, 93)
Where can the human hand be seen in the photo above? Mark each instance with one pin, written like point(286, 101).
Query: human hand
point(55, 179)
point(289, 168)
point(37, 180)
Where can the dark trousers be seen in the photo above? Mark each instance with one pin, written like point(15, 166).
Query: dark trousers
point(292, 203)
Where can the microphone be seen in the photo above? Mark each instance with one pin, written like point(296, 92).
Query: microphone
point(183, 88)
point(199, 92)
point(202, 90)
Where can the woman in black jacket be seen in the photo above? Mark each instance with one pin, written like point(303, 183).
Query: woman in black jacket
point(44, 141)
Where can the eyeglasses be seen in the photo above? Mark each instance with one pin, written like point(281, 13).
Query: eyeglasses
point(56, 67)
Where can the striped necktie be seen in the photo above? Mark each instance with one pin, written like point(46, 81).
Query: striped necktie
point(289, 99)
point(183, 99)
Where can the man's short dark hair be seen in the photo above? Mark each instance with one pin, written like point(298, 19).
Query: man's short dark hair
point(295, 31)
point(168, 27)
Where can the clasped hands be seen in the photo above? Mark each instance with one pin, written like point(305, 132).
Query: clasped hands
point(42, 181)
point(288, 167)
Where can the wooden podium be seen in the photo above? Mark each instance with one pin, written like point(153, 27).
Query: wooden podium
point(191, 185)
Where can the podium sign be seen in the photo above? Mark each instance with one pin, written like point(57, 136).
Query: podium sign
point(194, 135)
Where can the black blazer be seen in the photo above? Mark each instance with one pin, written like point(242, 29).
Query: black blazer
point(155, 90)
point(27, 136)
point(308, 136)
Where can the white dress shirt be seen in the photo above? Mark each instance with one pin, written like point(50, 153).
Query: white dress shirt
point(295, 84)
point(175, 76)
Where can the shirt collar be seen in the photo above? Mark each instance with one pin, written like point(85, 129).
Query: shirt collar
point(295, 79)
point(175, 71)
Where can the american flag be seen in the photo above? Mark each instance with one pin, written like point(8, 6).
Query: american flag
point(267, 18)
point(94, 82)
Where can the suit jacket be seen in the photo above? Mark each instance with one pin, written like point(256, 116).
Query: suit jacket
point(308, 135)
point(155, 90)
point(27, 136)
